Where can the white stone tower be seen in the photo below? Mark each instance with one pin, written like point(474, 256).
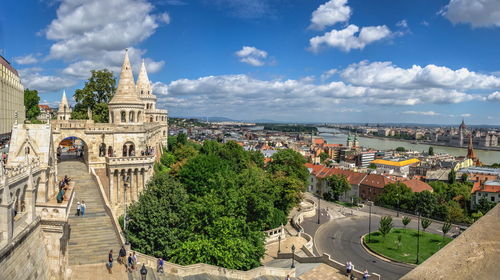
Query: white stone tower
point(145, 92)
point(64, 112)
point(126, 108)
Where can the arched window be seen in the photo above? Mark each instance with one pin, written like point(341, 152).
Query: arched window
point(164, 133)
point(139, 115)
point(125, 150)
point(110, 151)
point(131, 115)
point(112, 115)
point(142, 92)
point(102, 150)
point(131, 150)
point(123, 116)
point(151, 119)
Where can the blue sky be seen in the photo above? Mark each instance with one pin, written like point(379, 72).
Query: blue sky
point(427, 61)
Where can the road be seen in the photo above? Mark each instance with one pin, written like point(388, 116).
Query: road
point(340, 238)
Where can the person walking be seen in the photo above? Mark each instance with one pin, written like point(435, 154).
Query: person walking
point(134, 261)
point(130, 262)
point(78, 208)
point(366, 275)
point(110, 261)
point(160, 265)
point(121, 255)
point(83, 208)
point(348, 268)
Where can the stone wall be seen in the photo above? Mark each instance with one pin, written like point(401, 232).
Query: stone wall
point(26, 256)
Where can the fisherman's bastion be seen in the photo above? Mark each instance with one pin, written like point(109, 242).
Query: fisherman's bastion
point(110, 170)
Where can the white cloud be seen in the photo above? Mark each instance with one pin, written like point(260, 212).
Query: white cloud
point(27, 59)
point(466, 115)
point(330, 13)
point(387, 75)
point(424, 23)
point(402, 23)
point(33, 79)
point(351, 37)
point(494, 96)
point(328, 74)
point(423, 113)
point(164, 17)
point(477, 13)
point(252, 56)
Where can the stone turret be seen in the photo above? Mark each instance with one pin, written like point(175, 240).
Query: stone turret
point(145, 92)
point(64, 112)
point(126, 107)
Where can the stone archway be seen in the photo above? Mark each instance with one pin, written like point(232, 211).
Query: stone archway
point(72, 148)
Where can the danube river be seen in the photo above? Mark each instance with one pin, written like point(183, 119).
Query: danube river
point(334, 136)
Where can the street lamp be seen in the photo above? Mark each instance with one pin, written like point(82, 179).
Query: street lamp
point(293, 256)
point(279, 243)
point(418, 235)
point(125, 218)
point(370, 222)
point(319, 207)
point(397, 198)
point(144, 272)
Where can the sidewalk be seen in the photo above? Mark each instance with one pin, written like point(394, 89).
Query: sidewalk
point(286, 247)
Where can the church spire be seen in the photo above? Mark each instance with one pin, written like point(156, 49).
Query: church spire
point(143, 83)
point(64, 111)
point(126, 90)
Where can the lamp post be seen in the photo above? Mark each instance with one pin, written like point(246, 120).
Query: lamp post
point(418, 235)
point(144, 272)
point(319, 207)
point(370, 222)
point(397, 198)
point(279, 243)
point(125, 218)
point(293, 256)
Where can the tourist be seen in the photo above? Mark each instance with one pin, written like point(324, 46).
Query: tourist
point(134, 261)
point(110, 261)
point(287, 277)
point(78, 208)
point(130, 262)
point(365, 274)
point(348, 268)
point(160, 265)
point(83, 207)
point(122, 255)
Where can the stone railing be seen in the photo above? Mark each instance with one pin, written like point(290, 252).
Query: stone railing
point(201, 268)
point(326, 259)
point(305, 212)
point(273, 234)
point(52, 211)
point(130, 160)
point(70, 124)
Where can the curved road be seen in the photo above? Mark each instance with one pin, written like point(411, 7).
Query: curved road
point(340, 238)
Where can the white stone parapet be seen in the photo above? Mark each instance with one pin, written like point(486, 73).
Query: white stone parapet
point(135, 160)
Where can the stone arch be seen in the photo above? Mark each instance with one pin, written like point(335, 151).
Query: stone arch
point(139, 116)
point(151, 119)
point(110, 151)
point(128, 149)
point(131, 116)
point(17, 202)
point(123, 116)
point(82, 143)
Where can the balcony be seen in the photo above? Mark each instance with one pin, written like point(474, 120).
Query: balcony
point(132, 161)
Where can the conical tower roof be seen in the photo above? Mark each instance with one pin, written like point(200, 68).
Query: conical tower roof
point(64, 102)
point(143, 83)
point(126, 90)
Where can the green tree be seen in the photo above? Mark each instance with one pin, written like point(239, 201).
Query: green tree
point(425, 222)
point(446, 228)
point(338, 185)
point(452, 177)
point(288, 191)
point(464, 177)
point(31, 100)
point(431, 151)
point(323, 156)
point(157, 220)
point(454, 212)
point(396, 195)
point(96, 94)
point(406, 220)
point(290, 163)
point(425, 203)
point(400, 149)
point(385, 226)
point(372, 166)
point(485, 205)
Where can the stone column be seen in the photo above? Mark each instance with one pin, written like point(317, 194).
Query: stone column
point(137, 186)
point(118, 188)
point(111, 186)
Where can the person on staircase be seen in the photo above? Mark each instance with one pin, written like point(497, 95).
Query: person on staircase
point(83, 208)
point(122, 255)
point(78, 208)
point(110, 262)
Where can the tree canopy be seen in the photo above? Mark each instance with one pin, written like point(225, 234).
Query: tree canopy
point(211, 203)
point(96, 94)
point(31, 100)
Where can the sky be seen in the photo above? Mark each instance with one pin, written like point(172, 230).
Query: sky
point(376, 61)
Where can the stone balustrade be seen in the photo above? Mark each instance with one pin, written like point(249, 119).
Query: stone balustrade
point(115, 161)
point(53, 211)
point(272, 235)
point(201, 268)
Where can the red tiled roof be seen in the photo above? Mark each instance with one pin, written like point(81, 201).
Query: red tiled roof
point(333, 145)
point(321, 171)
point(488, 186)
point(43, 106)
point(319, 141)
point(417, 185)
point(376, 181)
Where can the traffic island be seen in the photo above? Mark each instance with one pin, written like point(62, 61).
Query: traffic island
point(404, 249)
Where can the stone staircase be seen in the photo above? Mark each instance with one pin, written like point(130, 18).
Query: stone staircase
point(93, 235)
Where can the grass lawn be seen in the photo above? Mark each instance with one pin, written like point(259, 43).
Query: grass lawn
point(345, 204)
point(429, 244)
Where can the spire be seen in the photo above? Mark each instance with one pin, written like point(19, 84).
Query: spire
point(143, 83)
point(64, 111)
point(470, 149)
point(64, 100)
point(126, 90)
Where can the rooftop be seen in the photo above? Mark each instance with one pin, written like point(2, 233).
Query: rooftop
point(396, 162)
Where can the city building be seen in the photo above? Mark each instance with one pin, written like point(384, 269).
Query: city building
point(395, 165)
point(45, 113)
point(11, 97)
point(489, 190)
point(364, 159)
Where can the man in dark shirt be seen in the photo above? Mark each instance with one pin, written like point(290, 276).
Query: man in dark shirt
point(110, 261)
